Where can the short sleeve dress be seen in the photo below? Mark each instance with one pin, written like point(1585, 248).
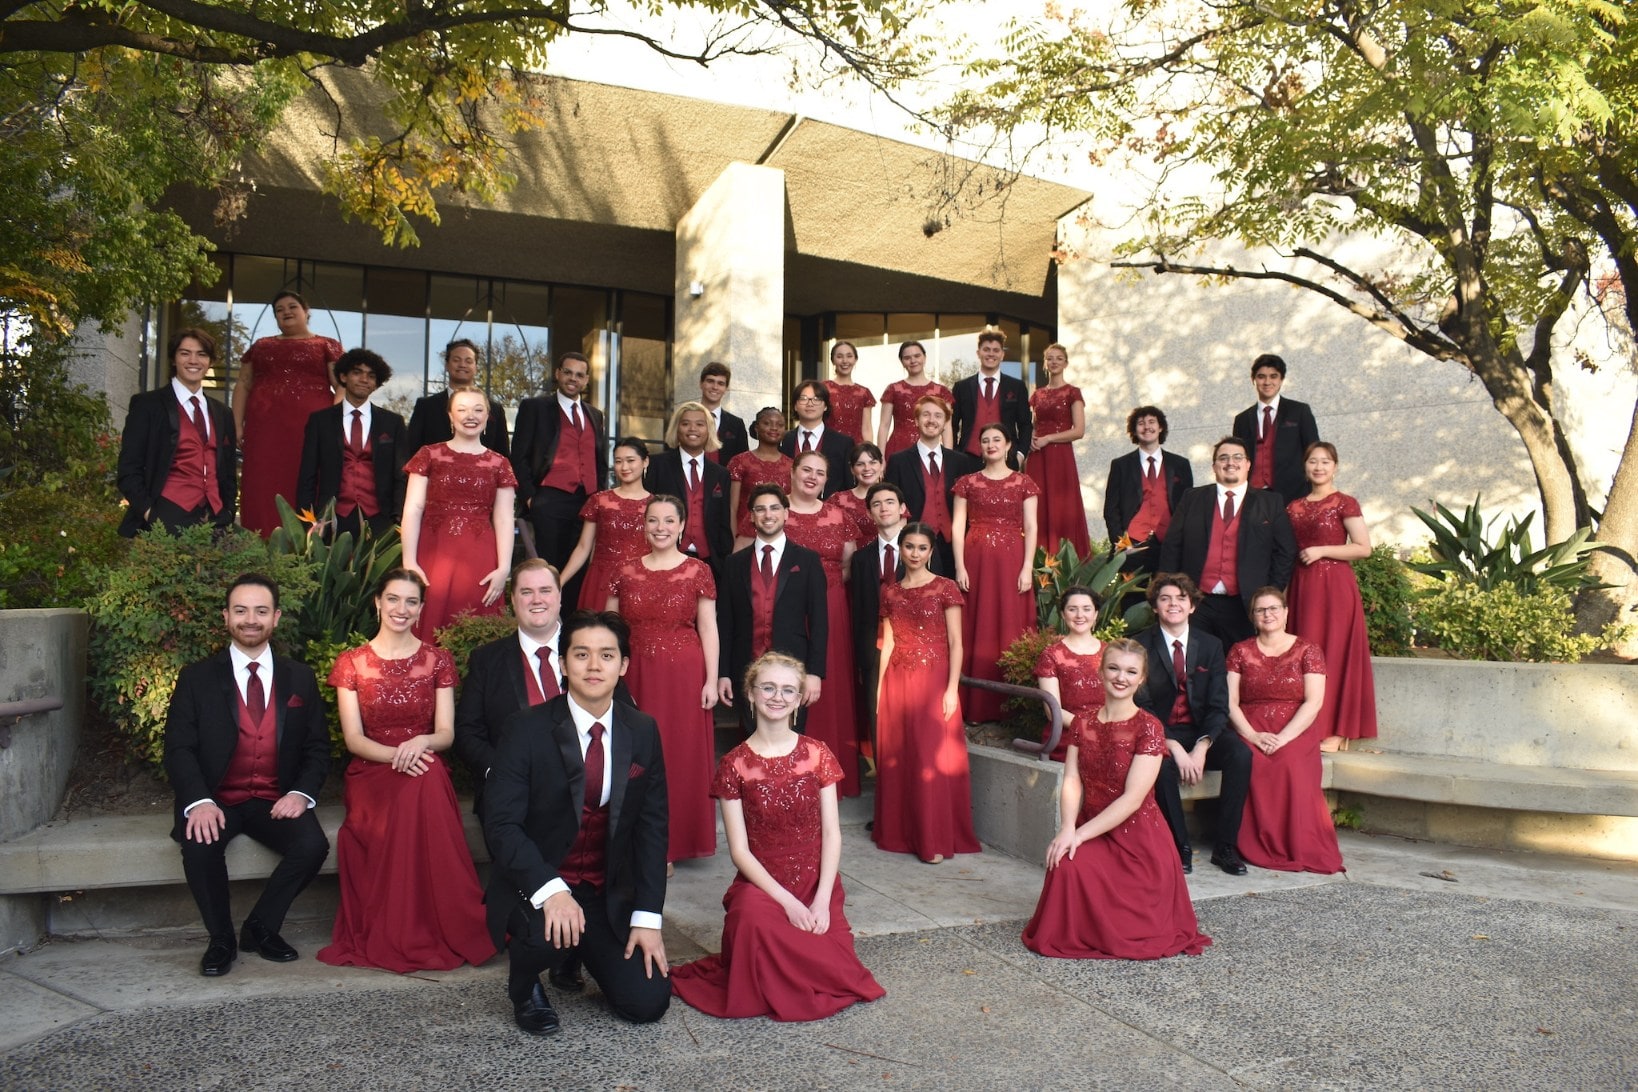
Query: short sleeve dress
point(620, 540)
point(848, 403)
point(997, 612)
point(289, 380)
point(1326, 608)
point(903, 397)
point(1080, 688)
point(457, 544)
point(1062, 513)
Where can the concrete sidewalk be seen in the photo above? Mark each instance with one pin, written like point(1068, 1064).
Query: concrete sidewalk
point(1424, 965)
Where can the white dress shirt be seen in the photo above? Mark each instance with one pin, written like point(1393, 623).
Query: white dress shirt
point(241, 679)
point(185, 397)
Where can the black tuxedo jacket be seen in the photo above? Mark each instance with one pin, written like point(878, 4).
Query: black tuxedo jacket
point(429, 424)
point(733, 436)
point(1207, 683)
point(1014, 398)
point(153, 424)
point(864, 592)
point(534, 442)
point(1294, 430)
point(904, 469)
point(666, 476)
point(202, 730)
point(532, 811)
point(1268, 549)
point(800, 622)
point(321, 459)
point(835, 447)
point(1123, 495)
point(493, 689)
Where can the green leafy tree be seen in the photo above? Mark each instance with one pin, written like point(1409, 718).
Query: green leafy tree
point(1488, 141)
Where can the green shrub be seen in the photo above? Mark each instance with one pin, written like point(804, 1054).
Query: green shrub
point(1462, 550)
point(321, 655)
point(471, 630)
point(1017, 665)
point(1385, 587)
point(1503, 623)
point(161, 609)
point(1099, 572)
point(347, 574)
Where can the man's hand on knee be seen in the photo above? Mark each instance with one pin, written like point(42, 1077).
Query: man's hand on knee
point(653, 948)
point(565, 920)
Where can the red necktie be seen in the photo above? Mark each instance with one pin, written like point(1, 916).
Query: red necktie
point(807, 441)
point(932, 463)
point(255, 696)
point(890, 566)
point(1268, 421)
point(767, 564)
point(355, 438)
point(548, 677)
point(1151, 474)
point(1178, 666)
point(1228, 508)
point(594, 769)
point(989, 388)
point(693, 475)
point(574, 415)
point(199, 419)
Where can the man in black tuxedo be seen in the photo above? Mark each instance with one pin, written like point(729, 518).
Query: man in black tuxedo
point(685, 470)
point(772, 598)
point(1144, 489)
point(811, 404)
point(732, 438)
point(575, 818)
point(429, 420)
point(353, 453)
point(1187, 691)
point(1231, 540)
point(1277, 432)
point(990, 396)
point(178, 456)
point(560, 456)
point(246, 750)
point(929, 463)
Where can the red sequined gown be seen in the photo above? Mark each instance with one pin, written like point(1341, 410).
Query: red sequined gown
point(1061, 513)
point(1326, 609)
point(997, 612)
point(923, 786)
point(410, 899)
point(666, 675)
point(620, 539)
point(847, 409)
point(750, 472)
point(1122, 896)
point(833, 719)
point(457, 544)
point(864, 528)
point(1287, 824)
point(903, 397)
point(1080, 687)
point(768, 967)
point(289, 380)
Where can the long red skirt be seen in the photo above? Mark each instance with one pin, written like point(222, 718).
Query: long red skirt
point(834, 719)
point(924, 798)
point(454, 563)
point(1059, 512)
point(1287, 824)
point(1327, 610)
point(996, 615)
point(665, 684)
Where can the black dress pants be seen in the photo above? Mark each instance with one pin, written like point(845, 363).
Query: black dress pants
point(1230, 755)
point(300, 843)
point(630, 992)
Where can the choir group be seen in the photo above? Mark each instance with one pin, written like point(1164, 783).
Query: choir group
point(831, 588)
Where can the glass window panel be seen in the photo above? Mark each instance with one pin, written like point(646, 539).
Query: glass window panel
point(520, 343)
point(402, 340)
point(958, 357)
point(336, 295)
point(580, 324)
point(859, 328)
point(645, 366)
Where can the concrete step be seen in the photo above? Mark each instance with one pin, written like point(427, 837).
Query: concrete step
point(1471, 783)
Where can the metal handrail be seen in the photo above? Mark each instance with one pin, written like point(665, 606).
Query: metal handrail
point(28, 707)
point(1012, 690)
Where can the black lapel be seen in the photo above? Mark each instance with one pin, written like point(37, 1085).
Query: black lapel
point(619, 752)
point(568, 745)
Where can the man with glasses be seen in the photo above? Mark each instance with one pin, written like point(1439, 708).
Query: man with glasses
point(1231, 540)
point(811, 404)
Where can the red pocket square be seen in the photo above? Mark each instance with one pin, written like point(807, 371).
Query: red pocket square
point(635, 772)
point(796, 568)
point(295, 702)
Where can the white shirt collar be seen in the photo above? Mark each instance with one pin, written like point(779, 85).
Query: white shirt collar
point(347, 409)
point(1238, 490)
point(1183, 636)
point(567, 402)
point(817, 430)
point(778, 545)
point(184, 397)
point(264, 669)
point(936, 449)
point(529, 644)
point(1273, 403)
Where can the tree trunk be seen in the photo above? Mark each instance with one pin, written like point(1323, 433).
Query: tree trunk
point(1617, 562)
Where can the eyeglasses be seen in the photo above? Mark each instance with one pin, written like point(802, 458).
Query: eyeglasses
point(809, 398)
point(1267, 610)
point(769, 690)
point(1229, 459)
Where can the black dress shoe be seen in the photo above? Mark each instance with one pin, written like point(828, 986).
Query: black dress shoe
point(218, 959)
point(567, 977)
point(535, 1014)
point(255, 937)
point(1186, 856)
point(1228, 859)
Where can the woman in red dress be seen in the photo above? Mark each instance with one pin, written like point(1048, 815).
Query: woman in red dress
point(1060, 420)
point(1114, 887)
point(613, 530)
point(410, 899)
point(826, 530)
point(282, 380)
point(923, 785)
point(669, 599)
point(897, 429)
point(764, 464)
point(1325, 604)
point(787, 949)
point(850, 402)
point(993, 531)
point(867, 464)
point(458, 518)
point(1276, 685)
point(1068, 669)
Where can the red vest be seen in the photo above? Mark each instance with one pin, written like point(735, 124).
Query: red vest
point(192, 480)
point(935, 509)
point(694, 538)
point(762, 603)
point(1154, 515)
point(988, 413)
point(574, 465)
point(254, 771)
point(588, 856)
point(357, 489)
point(1262, 465)
point(1223, 556)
